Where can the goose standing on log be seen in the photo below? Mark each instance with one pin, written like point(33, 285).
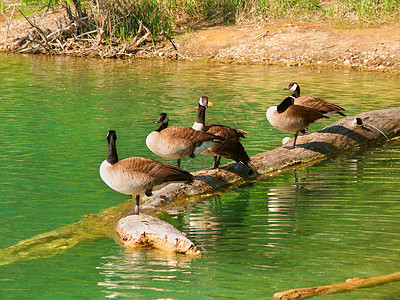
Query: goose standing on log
point(176, 142)
point(137, 175)
point(290, 117)
point(230, 148)
point(322, 106)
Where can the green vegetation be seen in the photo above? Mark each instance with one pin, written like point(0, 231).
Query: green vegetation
point(165, 17)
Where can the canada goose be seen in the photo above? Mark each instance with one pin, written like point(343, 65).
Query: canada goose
point(137, 175)
point(230, 148)
point(177, 142)
point(290, 117)
point(318, 104)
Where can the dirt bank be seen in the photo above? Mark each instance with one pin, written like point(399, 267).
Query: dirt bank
point(276, 42)
point(297, 44)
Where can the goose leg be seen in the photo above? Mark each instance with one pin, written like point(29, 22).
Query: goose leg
point(215, 164)
point(178, 162)
point(294, 141)
point(137, 204)
point(217, 161)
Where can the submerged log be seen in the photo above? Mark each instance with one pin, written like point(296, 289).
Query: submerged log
point(350, 284)
point(344, 135)
point(138, 231)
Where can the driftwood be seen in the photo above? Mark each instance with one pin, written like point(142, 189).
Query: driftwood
point(350, 284)
point(137, 231)
point(344, 135)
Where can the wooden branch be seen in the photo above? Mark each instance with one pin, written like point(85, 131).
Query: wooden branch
point(350, 284)
point(342, 136)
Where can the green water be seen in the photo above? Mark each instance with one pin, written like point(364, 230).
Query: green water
point(315, 226)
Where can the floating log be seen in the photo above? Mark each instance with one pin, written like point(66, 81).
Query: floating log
point(349, 133)
point(350, 284)
point(344, 135)
point(138, 231)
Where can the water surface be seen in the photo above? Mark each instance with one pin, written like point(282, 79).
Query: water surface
point(321, 225)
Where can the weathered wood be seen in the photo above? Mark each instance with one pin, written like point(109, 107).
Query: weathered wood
point(343, 136)
point(136, 231)
point(350, 284)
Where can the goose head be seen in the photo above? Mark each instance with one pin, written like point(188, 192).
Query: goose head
point(162, 118)
point(295, 88)
point(203, 101)
point(292, 87)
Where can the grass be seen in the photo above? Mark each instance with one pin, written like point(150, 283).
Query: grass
point(166, 17)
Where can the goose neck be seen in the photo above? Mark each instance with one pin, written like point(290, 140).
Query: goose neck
point(285, 104)
point(112, 156)
point(201, 118)
point(162, 126)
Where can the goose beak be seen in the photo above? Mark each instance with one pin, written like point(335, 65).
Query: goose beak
point(286, 88)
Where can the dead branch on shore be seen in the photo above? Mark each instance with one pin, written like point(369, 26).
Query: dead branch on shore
point(85, 33)
point(9, 19)
point(350, 284)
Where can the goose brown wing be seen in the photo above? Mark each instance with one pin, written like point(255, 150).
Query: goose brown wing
point(159, 172)
point(231, 147)
point(225, 131)
point(305, 113)
point(319, 104)
point(187, 134)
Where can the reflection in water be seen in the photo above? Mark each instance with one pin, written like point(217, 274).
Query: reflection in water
point(338, 220)
point(138, 270)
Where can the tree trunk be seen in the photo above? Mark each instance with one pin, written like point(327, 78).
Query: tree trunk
point(344, 135)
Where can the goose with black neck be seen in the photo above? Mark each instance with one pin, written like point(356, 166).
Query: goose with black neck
point(137, 175)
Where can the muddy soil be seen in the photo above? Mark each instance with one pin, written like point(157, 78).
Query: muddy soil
point(279, 42)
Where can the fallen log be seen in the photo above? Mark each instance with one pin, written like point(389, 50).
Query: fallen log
point(138, 231)
point(350, 284)
point(374, 127)
point(344, 135)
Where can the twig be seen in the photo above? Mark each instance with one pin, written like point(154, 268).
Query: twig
point(261, 35)
point(86, 33)
point(40, 31)
point(8, 26)
point(172, 43)
point(142, 39)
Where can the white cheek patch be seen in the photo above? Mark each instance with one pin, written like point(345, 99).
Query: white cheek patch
point(294, 87)
point(197, 126)
point(201, 101)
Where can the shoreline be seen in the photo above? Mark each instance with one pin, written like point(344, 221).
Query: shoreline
point(282, 43)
